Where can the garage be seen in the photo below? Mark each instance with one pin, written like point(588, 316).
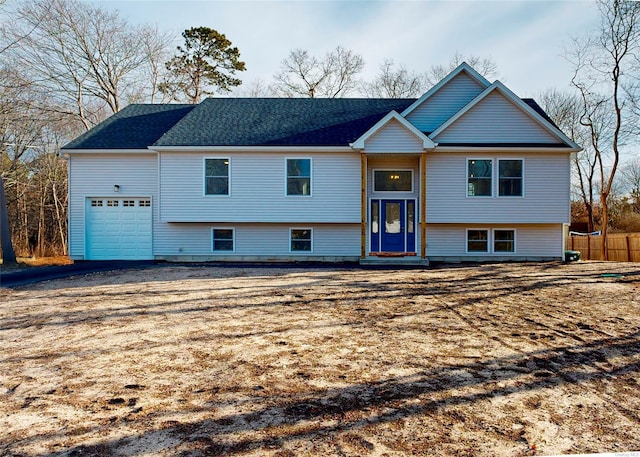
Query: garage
point(119, 228)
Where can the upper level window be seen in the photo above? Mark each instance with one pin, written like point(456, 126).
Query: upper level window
point(393, 181)
point(479, 177)
point(510, 178)
point(216, 176)
point(298, 176)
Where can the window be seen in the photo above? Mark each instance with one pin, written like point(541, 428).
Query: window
point(375, 215)
point(300, 240)
point(298, 176)
point(96, 202)
point(411, 210)
point(223, 239)
point(479, 177)
point(477, 240)
point(393, 181)
point(129, 203)
point(216, 176)
point(504, 241)
point(144, 203)
point(510, 178)
point(113, 202)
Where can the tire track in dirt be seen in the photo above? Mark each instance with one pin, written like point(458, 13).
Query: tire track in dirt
point(565, 376)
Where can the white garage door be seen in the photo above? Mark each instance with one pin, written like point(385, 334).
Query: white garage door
point(119, 229)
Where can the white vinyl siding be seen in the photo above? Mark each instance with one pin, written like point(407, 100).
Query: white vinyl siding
point(393, 138)
point(450, 99)
point(257, 193)
point(378, 163)
point(532, 241)
point(269, 241)
point(546, 191)
point(495, 119)
point(95, 175)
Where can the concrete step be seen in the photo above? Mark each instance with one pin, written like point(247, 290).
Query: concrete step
point(412, 260)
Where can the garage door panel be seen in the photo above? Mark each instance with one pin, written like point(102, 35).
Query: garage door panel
point(119, 229)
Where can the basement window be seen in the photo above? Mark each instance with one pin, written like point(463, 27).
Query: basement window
point(223, 239)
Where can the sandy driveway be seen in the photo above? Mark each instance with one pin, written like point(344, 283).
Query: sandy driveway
point(511, 359)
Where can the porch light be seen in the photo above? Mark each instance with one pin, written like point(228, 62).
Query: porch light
point(116, 188)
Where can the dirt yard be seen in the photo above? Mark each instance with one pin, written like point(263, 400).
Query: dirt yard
point(493, 360)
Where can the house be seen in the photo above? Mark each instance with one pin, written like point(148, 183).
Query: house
point(469, 171)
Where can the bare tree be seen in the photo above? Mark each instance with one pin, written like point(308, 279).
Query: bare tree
point(333, 76)
point(255, 89)
point(155, 46)
point(14, 112)
point(565, 109)
point(64, 66)
point(394, 82)
point(605, 74)
point(91, 60)
point(483, 65)
point(33, 176)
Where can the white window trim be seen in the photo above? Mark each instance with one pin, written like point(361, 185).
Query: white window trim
point(498, 177)
point(466, 177)
point(286, 178)
point(291, 229)
point(493, 240)
point(466, 241)
point(392, 192)
point(233, 235)
point(204, 178)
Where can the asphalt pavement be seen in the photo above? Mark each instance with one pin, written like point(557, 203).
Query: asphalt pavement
point(37, 274)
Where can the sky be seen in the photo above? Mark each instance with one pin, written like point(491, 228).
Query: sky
point(525, 38)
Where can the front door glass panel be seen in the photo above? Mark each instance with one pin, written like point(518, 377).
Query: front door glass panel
point(392, 221)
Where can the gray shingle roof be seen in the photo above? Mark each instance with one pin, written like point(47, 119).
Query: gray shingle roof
point(279, 121)
point(134, 127)
point(244, 122)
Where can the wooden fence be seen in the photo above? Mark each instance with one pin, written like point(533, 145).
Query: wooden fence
point(622, 247)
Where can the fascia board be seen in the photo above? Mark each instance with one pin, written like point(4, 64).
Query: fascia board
point(460, 68)
point(513, 98)
point(427, 143)
point(287, 149)
point(483, 149)
point(68, 152)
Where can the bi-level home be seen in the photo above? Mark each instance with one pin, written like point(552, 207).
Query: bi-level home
point(469, 171)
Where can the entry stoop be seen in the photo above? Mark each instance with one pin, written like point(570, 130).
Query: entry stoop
point(392, 260)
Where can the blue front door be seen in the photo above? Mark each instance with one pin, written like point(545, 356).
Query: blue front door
point(393, 225)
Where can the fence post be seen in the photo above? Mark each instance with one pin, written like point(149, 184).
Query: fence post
point(628, 248)
point(588, 247)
